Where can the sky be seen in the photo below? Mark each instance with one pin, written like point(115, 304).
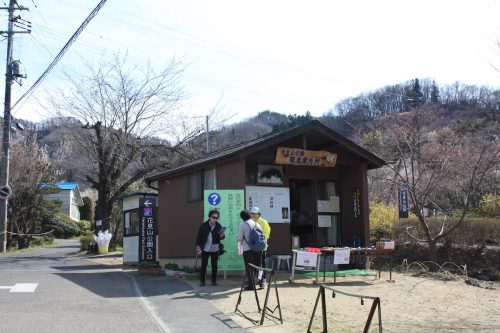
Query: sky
point(249, 56)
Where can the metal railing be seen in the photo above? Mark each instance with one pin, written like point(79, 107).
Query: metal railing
point(266, 311)
point(321, 294)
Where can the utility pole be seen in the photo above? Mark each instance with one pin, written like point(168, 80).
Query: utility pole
point(9, 78)
point(208, 136)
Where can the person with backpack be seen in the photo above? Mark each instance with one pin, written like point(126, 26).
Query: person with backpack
point(208, 245)
point(251, 242)
point(266, 229)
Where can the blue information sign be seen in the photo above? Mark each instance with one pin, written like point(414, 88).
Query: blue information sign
point(214, 199)
point(403, 203)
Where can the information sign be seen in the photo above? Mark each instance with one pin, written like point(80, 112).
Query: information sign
point(147, 230)
point(229, 203)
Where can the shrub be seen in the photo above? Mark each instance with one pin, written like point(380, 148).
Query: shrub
point(382, 220)
point(48, 239)
point(171, 266)
point(41, 240)
point(58, 232)
point(86, 211)
point(86, 242)
point(62, 225)
point(85, 226)
point(489, 206)
point(472, 231)
point(36, 241)
point(149, 265)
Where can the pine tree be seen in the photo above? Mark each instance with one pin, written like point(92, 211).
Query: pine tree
point(416, 95)
point(87, 210)
point(434, 93)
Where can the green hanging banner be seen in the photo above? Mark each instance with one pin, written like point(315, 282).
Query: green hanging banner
point(229, 203)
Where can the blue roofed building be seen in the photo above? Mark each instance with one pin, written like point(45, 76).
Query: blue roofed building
point(69, 195)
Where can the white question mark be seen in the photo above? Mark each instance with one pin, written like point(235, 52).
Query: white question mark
point(213, 197)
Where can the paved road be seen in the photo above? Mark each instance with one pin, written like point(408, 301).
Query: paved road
point(52, 290)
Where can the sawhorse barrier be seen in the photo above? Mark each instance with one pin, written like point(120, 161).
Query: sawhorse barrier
point(321, 294)
point(266, 311)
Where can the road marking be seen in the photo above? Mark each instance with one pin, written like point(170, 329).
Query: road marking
point(145, 304)
point(21, 287)
point(63, 271)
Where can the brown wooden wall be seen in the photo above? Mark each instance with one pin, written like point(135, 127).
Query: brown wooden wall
point(179, 220)
point(231, 175)
point(350, 181)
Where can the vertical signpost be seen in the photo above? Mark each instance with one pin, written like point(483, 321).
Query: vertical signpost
point(356, 203)
point(147, 230)
point(229, 203)
point(403, 203)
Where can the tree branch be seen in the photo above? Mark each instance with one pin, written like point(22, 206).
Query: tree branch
point(414, 237)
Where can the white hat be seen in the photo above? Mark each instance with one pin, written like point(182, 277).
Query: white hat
point(255, 210)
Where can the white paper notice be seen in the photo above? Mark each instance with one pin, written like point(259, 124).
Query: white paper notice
point(308, 259)
point(341, 256)
point(324, 206)
point(324, 221)
point(389, 245)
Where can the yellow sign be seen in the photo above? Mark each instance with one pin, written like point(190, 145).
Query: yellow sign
point(297, 156)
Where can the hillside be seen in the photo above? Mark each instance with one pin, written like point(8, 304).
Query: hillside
point(451, 105)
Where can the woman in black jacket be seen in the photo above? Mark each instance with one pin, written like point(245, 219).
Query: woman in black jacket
point(207, 244)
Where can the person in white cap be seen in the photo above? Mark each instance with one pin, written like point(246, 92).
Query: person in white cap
point(266, 230)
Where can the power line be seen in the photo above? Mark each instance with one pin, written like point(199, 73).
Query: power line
point(63, 51)
point(204, 81)
point(212, 46)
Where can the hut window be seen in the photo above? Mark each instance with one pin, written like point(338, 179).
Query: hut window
point(131, 223)
point(270, 174)
point(194, 186)
point(209, 179)
point(198, 181)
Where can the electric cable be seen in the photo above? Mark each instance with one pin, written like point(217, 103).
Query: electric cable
point(62, 52)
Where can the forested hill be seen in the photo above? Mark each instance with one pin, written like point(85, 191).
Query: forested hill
point(450, 104)
point(456, 102)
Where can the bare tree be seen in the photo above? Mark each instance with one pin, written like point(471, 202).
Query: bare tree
point(124, 114)
point(30, 166)
point(442, 170)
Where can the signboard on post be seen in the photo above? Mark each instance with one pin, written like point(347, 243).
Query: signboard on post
point(147, 230)
point(229, 203)
point(5, 192)
point(403, 203)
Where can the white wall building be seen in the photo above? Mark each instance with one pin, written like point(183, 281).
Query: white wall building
point(69, 194)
